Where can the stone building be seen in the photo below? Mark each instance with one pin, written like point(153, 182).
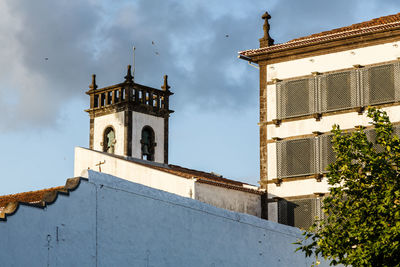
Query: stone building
point(307, 85)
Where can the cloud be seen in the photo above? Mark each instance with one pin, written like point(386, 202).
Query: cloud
point(50, 49)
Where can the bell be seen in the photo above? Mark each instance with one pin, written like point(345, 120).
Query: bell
point(146, 150)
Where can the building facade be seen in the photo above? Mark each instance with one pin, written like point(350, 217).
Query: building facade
point(306, 86)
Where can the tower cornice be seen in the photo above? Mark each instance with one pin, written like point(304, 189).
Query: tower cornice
point(129, 96)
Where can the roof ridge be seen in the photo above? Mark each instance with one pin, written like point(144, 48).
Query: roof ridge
point(211, 174)
point(373, 25)
point(307, 38)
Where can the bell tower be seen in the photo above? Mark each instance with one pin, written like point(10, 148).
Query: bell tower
point(130, 119)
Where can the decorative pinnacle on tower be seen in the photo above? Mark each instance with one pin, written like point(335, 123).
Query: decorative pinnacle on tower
point(266, 40)
point(129, 77)
point(93, 86)
point(165, 86)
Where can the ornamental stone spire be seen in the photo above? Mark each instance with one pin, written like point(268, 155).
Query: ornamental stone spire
point(165, 86)
point(93, 86)
point(128, 77)
point(266, 40)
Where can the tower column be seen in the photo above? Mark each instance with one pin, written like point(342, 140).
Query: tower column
point(263, 126)
point(128, 133)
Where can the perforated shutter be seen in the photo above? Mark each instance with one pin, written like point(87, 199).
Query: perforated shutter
point(381, 84)
point(283, 212)
point(338, 91)
point(328, 156)
point(304, 213)
point(295, 98)
point(300, 213)
point(296, 157)
point(371, 136)
point(396, 130)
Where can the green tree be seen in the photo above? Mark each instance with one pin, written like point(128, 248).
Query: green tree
point(362, 225)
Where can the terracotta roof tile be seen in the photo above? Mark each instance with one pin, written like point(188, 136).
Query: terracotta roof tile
point(193, 174)
point(375, 25)
point(203, 177)
point(357, 26)
point(39, 198)
point(27, 197)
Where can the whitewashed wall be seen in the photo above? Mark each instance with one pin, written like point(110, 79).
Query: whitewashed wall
point(85, 158)
point(217, 196)
point(298, 188)
point(229, 199)
point(334, 61)
point(108, 221)
point(116, 120)
point(139, 120)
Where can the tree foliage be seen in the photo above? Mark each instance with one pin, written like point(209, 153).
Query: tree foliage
point(362, 225)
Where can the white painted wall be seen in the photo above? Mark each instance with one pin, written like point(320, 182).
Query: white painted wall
point(116, 120)
point(273, 211)
point(108, 221)
point(229, 199)
point(139, 120)
point(298, 188)
point(334, 61)
point(217, 196)
point(134, 172)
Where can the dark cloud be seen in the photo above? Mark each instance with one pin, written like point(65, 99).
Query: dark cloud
point(50, 48)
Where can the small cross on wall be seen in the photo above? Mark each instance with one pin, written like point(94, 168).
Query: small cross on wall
point(99, 164)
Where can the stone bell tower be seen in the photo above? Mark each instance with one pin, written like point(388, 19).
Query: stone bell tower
point(129, 119)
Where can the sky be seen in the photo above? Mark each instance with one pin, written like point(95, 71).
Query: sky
point(50, 49)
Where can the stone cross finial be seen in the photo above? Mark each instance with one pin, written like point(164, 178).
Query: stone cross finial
point(266, 40)
point(165, 86)
point(93, 86)
point(129, 77)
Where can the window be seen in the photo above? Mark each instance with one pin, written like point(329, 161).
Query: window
point(338, 91)
point(147, 143)
point(296, 157)
point(109, 140)
point(327, 155)
point(381, 84)
point(295, 98)
point(306, 156)
point(301, 213)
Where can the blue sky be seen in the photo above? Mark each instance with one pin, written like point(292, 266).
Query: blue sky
point(214, 127)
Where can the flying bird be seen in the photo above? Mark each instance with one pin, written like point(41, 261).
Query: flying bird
point(226, 35)
point(155, 52)
point(46, 58)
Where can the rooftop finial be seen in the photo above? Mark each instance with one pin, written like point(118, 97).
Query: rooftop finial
point(266, 40)
point(129, 77)
point(93, 86)
point(165, 86)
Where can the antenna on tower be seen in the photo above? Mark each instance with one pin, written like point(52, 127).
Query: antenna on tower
point(133, 65)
